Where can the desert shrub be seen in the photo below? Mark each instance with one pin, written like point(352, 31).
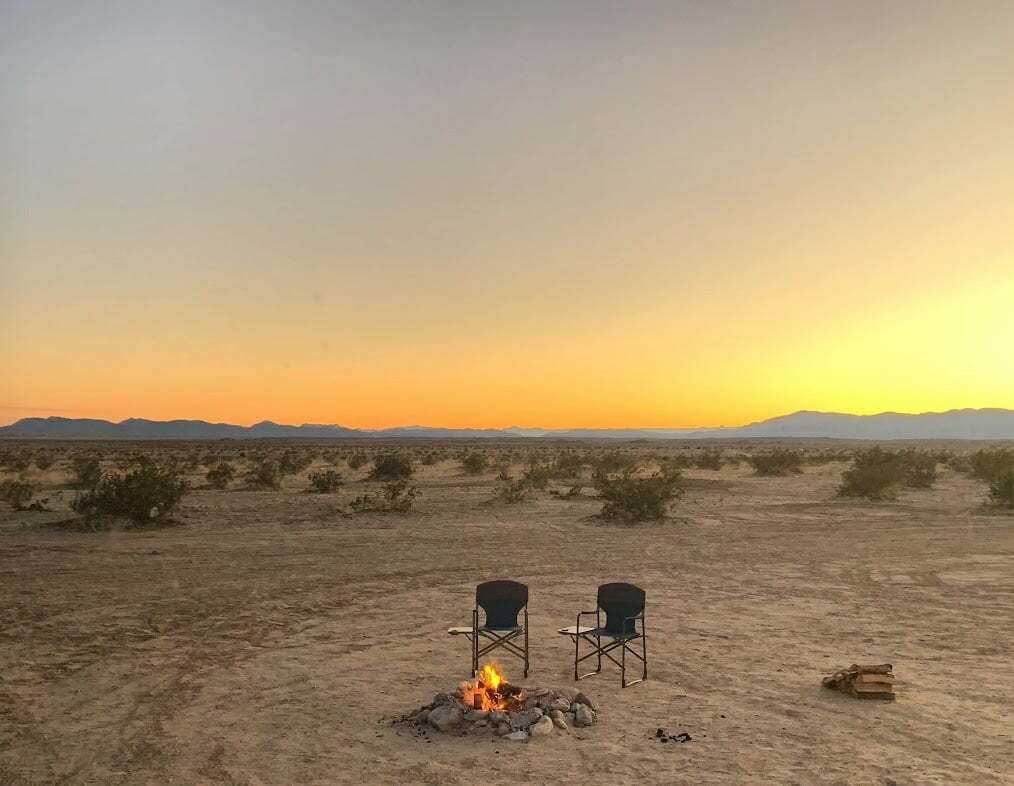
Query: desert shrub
point(780, 461)
point(989, 464)
point(1001, 490)
point(677, 462)
point(537, 476)
point(920, 469)
point(221, 475)
point(428, 460)
point(87, 471)
point(293, 462)
point(614, 462)
point(16, 461)
point(325, 481)
point(510, 490)
point(395, 497)
point(17, 493)
point(264, 474)
point(44, 461)
point(633, 498)
point(568, 464)
point(875, 474)
point(959, 462)
point(357, 460)
point(473, 463)
point(708, 459)
point(391, 467)
point(145, 494)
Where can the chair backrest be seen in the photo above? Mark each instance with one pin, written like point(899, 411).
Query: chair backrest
point(501, 600)
point(620, 600)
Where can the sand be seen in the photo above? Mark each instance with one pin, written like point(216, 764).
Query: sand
point(266, 640)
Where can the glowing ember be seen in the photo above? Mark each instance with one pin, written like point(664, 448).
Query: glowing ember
point(490, 690)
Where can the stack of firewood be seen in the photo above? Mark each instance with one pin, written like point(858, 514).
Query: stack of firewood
point(864, 682)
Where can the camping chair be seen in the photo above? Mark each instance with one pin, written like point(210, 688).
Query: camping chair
point(623, 605)
point(501, 601)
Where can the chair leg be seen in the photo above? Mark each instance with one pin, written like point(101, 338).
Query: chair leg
point(623, 663)
point(644, 649)
point(526, 641)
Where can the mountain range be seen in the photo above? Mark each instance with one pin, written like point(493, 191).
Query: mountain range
point(953, 424)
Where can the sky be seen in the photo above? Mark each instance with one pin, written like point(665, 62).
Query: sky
point(552, 214)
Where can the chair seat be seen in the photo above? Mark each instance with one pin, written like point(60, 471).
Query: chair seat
point(466, 630)
point(606, 633)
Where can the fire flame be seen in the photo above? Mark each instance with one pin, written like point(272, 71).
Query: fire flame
point(489, 690)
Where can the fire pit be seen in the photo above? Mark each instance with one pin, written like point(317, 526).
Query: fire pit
point(491, 705)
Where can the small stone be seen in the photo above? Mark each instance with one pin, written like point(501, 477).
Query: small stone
point(542, 727)
point(503, 729)
point(569, 717)
point(496, 717)
point(517, 736)
point(582, 699)
point(525, 718)
point(583, 715)
point(476, 715)
point(444, 698)
point(560, 704)
point(570, 694)
point(421, 716)
point(558, 720)
point(445, 717)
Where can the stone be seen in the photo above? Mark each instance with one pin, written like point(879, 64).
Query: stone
point(569, 717)
point(445, 698)
point(570, 694)
point(583, 715)
point(559, 720)
point(503, 729)
point(476, 715)
point(582, 699)
point(421, 716)
point(525, 718)
point(543, 727)
point(496, 717)
point(517, 736)
point(445, 717)
point(560, 704)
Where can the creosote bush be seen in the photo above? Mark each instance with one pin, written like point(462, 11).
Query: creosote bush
point(87, 471)
point(777, 462)
point(473, 463)
point(221, 475)
point(357, 460)
point(264, 474)
point(629, 497)
point(325, 481)
point(509, 489)
point(44, 461)
point(143, 495)
point(396, 497)
point(710, 458)
point(391, 467)
point(875, 474)
point(920, 469)
point(1001, 490)
point(989, 464)
point(17, 493)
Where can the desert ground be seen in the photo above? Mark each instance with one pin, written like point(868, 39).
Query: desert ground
point(268, 637)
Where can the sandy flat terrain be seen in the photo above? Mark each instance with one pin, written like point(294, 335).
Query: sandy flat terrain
point(266, 640)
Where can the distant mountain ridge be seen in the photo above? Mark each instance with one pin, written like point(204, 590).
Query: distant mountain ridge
point(953, 424)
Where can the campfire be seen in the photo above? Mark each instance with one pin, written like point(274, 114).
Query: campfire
point(490, 691)
point(490, 703)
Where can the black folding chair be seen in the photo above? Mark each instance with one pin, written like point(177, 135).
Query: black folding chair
point(501, 601)
point(623, 605)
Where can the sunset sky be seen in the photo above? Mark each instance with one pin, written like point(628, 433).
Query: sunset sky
point(487, 213)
